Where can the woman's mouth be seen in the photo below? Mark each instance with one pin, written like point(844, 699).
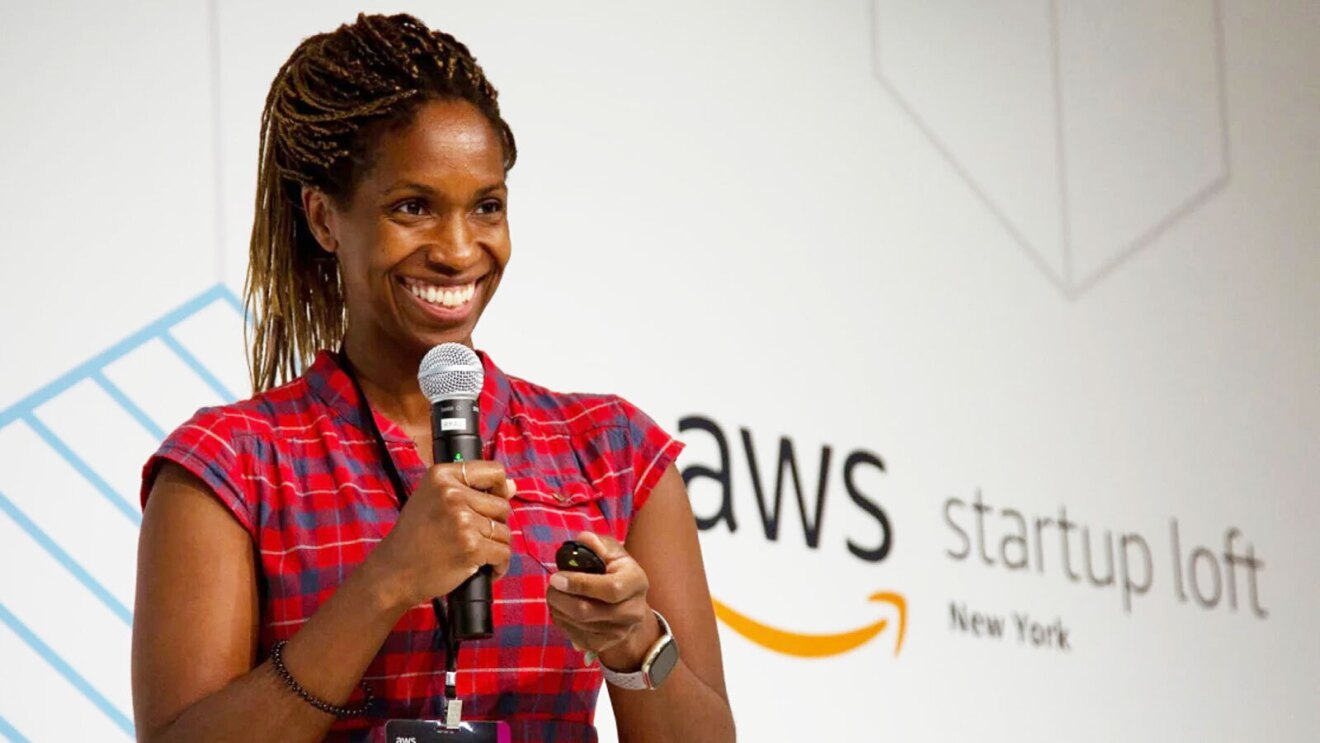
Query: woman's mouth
point(444, 296)
point(444, 302)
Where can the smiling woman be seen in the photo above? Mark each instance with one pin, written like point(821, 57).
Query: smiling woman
point(341, 113)
point(421, 246)
point(292, 543)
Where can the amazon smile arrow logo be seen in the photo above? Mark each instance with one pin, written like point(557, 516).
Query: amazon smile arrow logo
point(809, 645)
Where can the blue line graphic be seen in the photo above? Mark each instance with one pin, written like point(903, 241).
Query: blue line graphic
point(76, 462)
point(73, 677)
point(25, 411)
point(212, 380)
point(217, 293)
point(10, 732)
point(63, 558)
point(229, 298)
point(138, 413)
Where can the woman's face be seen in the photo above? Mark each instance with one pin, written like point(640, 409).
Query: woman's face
point(424, 241)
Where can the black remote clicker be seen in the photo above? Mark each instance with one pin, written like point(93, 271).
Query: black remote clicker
point(578, 557)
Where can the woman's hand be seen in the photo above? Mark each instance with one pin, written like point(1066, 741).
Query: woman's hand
point(447, 530)
point(606, 614)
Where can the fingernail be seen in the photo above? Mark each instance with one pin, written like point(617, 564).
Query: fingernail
point(512, 487)
point(559, 582)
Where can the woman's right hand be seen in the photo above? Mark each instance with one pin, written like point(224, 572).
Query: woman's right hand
point(447, 530)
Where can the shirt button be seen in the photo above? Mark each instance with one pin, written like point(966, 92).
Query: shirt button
point(561, 497)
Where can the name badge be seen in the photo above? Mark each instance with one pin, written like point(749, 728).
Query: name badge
point(434, 731)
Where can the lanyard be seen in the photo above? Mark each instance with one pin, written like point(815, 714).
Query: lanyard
point(369, 420)
point(443, 637)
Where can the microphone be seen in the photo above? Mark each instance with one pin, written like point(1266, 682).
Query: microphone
point(451, 377)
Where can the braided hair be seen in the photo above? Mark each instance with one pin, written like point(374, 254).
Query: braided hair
point(327, 106)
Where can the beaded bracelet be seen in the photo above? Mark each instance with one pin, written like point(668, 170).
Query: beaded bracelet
point(277, 659)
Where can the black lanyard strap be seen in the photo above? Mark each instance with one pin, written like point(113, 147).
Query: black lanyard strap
point(443, 637)
point(369, 421)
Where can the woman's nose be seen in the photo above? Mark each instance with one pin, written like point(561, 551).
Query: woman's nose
point(452, 246)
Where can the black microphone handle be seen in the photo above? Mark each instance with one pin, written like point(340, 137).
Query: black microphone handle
point(455, 438)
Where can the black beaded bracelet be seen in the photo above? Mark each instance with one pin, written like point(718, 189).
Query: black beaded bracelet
point(277, 660)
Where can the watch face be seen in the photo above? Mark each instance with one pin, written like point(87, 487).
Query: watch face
point(663, 663)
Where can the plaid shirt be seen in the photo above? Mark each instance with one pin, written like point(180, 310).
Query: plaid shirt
point(296, 467)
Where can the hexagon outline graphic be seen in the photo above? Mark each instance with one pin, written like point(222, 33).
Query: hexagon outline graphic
point(1071, 281)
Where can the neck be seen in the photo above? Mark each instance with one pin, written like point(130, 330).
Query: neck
point(388, 375)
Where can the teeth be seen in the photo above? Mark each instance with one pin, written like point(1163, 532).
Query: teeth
point(440, 295)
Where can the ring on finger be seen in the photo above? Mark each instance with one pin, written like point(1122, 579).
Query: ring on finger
point(462, 467)
point(491, 535)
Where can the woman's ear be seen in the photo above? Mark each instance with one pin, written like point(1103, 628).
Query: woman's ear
point(320, 218)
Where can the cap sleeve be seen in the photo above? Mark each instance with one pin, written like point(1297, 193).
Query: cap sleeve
point(651, 451)
point(208, 447)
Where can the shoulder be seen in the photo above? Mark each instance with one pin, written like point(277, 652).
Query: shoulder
point(578, 414)
point(614, 443)
point(227, 445)
point(264, 416)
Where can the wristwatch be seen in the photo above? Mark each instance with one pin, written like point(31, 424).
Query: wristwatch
point(656, 665)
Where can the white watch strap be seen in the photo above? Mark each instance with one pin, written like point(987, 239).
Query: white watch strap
point(638, 680)
point(635, 680)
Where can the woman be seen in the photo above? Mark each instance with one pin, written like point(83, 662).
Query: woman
point(279, 577)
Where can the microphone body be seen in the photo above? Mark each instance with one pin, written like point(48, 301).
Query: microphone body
point(455, 425)
point(451, 376)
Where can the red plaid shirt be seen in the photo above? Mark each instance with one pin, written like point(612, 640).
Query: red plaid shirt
point(298, 470)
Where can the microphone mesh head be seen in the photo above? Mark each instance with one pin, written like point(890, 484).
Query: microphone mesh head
point(451, 370)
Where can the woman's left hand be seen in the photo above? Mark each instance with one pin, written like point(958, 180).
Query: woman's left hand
point(606, 614)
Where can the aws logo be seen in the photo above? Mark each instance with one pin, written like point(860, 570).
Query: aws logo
point(763, 633)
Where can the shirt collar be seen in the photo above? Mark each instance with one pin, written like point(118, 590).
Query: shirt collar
point(332, 385)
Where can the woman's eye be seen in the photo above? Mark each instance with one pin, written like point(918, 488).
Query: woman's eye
point(411, 207)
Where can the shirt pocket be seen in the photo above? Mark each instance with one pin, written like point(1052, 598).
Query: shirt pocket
point(547, 513)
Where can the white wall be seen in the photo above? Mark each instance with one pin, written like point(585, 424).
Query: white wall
point(1061, 253)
